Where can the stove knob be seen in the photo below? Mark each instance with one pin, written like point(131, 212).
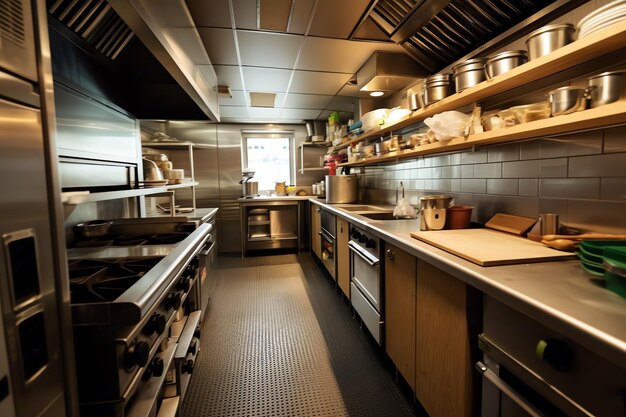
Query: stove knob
point(187, 366)
point(157, 366)
point(363, 239)
point(371, 243)
point(196, 333)
point(193, 347)
point(555, 353)
point(184, 284)
point(173, 301)
point(137, 354)
point(156, 323)
point(355, 234)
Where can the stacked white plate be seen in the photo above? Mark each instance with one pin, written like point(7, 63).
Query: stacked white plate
point(603, 17)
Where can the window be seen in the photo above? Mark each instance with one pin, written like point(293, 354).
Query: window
point(270, 157)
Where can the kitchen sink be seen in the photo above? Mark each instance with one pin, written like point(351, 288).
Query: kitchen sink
point(380, 216)
point(359, 208)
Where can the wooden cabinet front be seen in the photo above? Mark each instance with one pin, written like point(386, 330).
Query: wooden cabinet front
point(400, 269)
point(443, 366)
point(343, 255)
point(316, 243)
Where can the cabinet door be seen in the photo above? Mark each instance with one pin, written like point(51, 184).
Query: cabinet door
point(442, 356)
point(400, 269)
point(316, 243)
point(343, 255)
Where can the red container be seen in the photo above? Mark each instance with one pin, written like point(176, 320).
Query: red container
point(458, 217)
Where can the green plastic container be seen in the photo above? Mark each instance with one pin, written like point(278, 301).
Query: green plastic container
point(596, 247)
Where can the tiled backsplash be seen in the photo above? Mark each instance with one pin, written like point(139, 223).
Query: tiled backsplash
point(580, 176)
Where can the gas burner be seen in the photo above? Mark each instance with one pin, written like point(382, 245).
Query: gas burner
point(93, 281)
point(134, 240)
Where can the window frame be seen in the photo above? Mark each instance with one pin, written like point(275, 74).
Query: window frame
point(274, 134)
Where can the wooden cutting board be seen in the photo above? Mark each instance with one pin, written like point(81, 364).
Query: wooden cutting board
point(511, 224)
point(486, 247)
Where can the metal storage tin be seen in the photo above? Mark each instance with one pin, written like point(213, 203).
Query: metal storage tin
point(469, 73)
point(504, 62)
point(437, 87)
point(549, 38)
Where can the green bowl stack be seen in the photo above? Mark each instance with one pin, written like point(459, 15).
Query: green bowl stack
point(605, 258)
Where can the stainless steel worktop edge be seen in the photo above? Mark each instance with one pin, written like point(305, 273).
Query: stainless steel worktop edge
point(592, 316)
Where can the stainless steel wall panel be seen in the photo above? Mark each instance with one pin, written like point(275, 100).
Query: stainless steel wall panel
point(493, 170)
point(553, 168)
point(607, 165)
point(521, 169)
point(508, 152)
point(474, 185)
point(505, 186)
point(528, 187)
point(613, 189)
point(584, 143)
point(615, 140)
point(570, 187)
point(229, 157)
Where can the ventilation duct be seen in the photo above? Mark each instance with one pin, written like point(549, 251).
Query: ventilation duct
point(437, 33)
point(387, 72)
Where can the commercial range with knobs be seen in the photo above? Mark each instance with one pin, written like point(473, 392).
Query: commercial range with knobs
point(307, 207)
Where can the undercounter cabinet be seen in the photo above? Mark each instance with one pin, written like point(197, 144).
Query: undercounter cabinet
point(270, 225)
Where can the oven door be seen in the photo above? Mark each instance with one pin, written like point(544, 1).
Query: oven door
point(366, 274)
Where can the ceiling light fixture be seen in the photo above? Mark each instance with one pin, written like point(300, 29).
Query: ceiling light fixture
point(377, 93)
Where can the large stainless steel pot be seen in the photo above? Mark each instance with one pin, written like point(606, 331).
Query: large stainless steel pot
point(504, 62)
point(341, 189)
point(607, 87)
point(469, 73)
point(549, 38)
point(437, 87)
point(250, 188)
point(566, 100)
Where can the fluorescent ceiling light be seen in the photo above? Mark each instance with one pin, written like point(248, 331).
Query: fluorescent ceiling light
point(377, 93)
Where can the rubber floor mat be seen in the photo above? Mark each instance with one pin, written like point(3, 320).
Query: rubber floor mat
point(277, 341)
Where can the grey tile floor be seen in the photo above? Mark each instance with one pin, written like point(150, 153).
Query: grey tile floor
point(279, 341)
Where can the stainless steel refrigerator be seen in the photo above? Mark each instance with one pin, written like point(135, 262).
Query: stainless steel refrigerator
point(31, 354)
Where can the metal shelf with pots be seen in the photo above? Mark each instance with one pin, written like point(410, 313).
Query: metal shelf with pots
point(563, 63)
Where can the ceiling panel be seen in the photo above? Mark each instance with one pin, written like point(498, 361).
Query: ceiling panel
point(260, 49)
point(307, 101)
point(245, 14)
point(300, 114)
point(213, 13)
point(308, 82)
point(300, 16)
point(264, 113)
point(336, 19)
point(337, 55)
point(342, 104)
point(233, 111)
point(238, 99)
point(266, 79)
point(228, 76)
point(370, 31)
point(220, 45)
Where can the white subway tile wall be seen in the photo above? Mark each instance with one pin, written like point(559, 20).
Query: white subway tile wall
point(580, 176)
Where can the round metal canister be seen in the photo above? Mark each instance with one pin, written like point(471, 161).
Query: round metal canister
point(504, 62)
point(433, 211)
point(469, 73)
point(549, 38)
point(607, 87)
point(437, 87)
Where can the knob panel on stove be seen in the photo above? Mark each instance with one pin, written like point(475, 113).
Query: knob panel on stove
point(156, 323)
point(363, 239)
point(371, 243)
point(137, 354)
point(173, 301)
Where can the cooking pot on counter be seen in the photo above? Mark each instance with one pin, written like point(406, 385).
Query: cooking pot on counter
point(341, 189)
point(433, 211)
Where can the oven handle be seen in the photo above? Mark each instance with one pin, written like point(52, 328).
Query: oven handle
point(507, 390)
point(326, 235)
point(206, 250)
point(365, 255)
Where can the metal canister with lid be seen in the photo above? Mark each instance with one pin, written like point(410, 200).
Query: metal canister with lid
point(437, 87)
point(433, 211)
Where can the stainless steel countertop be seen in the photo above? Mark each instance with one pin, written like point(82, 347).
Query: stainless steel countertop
point(277, 198)
point(558, 294)
point(201, 214)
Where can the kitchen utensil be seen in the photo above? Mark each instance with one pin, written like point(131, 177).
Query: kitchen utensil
point(458, 217)
point(486, 247)
point(94, 228)
point(549, 223)
point(561, 244)
point(150, 170)
point(549, 38)
point(437, 87)
point(469, 73)
point(602, 17)
point(596, 236)
point(250, 188)
point(566, 100)
point(607, 87)
point(341, 189)
point(509, 223)
point(504, 62)
point(416, 101)
point(433, 211)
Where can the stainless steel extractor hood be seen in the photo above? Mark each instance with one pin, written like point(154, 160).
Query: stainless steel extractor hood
point(387, 72)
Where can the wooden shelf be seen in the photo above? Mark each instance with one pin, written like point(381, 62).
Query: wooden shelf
point(599, 117)
point(79, 197)
point(313, 169)
point(318, 144)
point(603, 42)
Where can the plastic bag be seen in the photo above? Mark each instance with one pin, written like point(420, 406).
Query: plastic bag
point(404, 210)
point(448, 125)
